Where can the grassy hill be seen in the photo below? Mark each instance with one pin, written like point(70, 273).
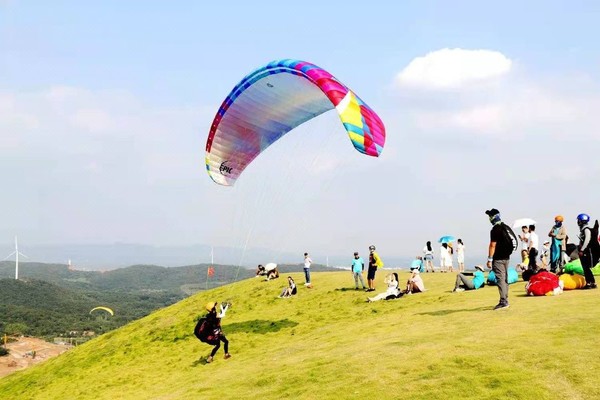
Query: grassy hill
point(328, 343)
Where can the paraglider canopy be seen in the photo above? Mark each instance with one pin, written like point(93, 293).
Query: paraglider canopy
point(275, 99)
point(108, 310)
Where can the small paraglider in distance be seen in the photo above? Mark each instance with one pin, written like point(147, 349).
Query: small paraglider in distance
point(108, 310)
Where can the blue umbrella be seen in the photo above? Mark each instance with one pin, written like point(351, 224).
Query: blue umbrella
point(446, 239)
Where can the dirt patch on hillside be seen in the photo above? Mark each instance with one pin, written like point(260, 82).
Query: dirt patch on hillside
point(26, 352)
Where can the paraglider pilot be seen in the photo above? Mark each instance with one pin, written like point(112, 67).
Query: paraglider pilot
point(208, 329)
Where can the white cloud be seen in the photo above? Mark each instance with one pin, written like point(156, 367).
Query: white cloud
point(515, 110)
point(453, 68)
point(93, 120)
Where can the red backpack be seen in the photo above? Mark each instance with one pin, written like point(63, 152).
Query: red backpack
point(206, 332)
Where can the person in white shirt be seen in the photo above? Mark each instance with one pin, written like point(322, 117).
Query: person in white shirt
point(460, 255)
point(428, 257)
point(445, 258)
point(307, 263)
point(392, 281)
point(534, 244)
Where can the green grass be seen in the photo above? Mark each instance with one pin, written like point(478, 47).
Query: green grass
point(328, 343)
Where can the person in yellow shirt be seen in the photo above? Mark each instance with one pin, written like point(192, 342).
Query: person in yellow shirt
point(525, 263)
point(374, 263)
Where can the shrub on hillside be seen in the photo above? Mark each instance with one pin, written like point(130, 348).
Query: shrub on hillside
point(3, 351)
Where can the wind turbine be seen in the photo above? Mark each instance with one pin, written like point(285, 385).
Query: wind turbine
point(16, 254)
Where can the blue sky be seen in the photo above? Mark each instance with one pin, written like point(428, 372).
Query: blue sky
point(105, 107)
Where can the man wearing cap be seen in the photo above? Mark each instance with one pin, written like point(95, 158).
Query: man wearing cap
point(358, 266)
point(558, 247)
point(503, 242)
point(374, 263)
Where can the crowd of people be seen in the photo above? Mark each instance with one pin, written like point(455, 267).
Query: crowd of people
point(542, 277)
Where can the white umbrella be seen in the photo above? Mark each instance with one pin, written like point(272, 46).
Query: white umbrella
point(270, 267)
point(523, 222)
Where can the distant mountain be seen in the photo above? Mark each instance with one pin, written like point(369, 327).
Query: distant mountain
point(51, 299)
point(140, 278)
point(117, 255)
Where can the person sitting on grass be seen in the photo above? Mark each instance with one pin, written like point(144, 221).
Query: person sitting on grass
point(417, 263)
point(290, 290)
point(464, 283)
point(392, 281)
point(511, 273)
point(525, 263)
point(273, 274)
point(415, 282)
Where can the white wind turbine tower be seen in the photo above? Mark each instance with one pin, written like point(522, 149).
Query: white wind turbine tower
point(16, 253)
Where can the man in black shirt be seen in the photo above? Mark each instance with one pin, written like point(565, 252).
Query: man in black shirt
point(502, 242)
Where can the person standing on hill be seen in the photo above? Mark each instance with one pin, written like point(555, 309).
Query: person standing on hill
point(307, 264)
point(445, 257)
point(502, 243)
point(460, 255)
point(374, 263)
point(534, 244)
point(558, 247)
point(358, 266)
point(428, 257)
point(586, 242)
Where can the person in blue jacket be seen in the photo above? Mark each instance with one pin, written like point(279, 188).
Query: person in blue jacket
point(417, 263)
point(464, 283)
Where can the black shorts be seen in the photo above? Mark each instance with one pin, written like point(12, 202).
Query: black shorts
point(371, 273)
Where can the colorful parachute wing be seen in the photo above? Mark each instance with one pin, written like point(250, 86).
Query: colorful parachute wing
point(108, 310)
point(275, 99)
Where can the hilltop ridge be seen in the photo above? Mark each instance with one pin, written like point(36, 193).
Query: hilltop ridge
point(328, 343)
